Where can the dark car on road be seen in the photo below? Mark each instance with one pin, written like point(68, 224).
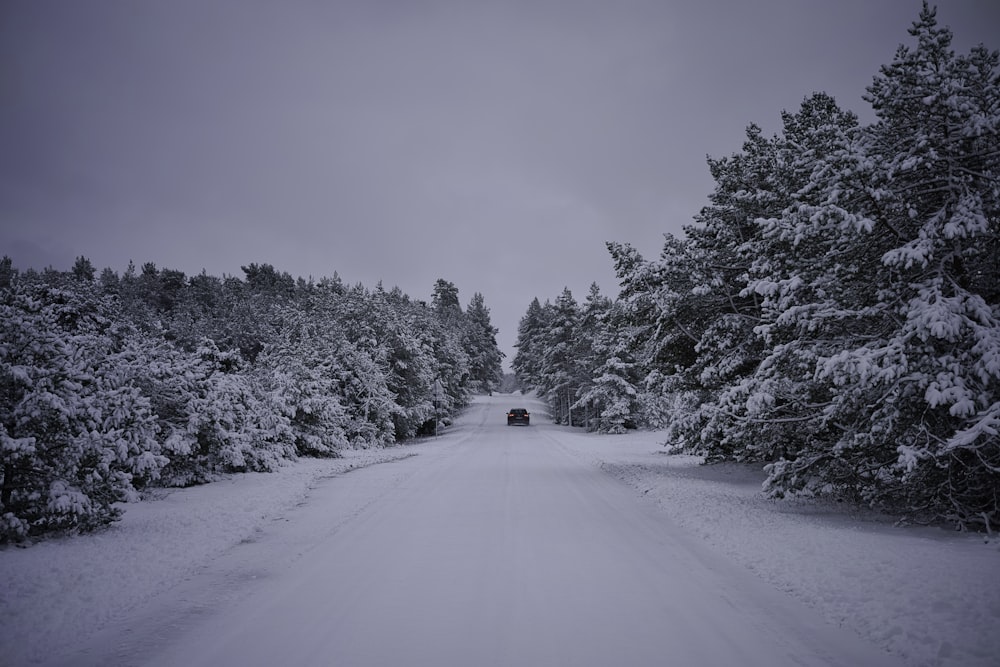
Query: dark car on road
point(518, 416)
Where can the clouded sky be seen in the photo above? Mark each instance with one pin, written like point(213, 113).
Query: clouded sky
point(495, 144)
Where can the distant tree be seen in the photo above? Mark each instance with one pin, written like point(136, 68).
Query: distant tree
point(561, 371)
point(527, 362)
point(83, 270)
point(509, 384)
point(607, 395)
point(7, 272)
point(171, 288)
point(445, 299)
point(266, 279)
point(408, 351)
point(110, 282)
point(485, 357)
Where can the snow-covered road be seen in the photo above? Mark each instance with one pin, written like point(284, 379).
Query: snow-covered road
point(496, 546)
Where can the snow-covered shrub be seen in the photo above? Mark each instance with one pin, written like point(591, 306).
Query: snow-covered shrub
point(367, 399)
point(300, 372)
point(175, 383)
point(236, 425)
point(76, 435)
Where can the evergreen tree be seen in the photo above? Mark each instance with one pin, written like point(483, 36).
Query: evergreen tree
point(608, 396)
point(485, 357)
point(913, 394)
point(445, 300)
point(527, 362)
point(755, 383)
point(76, 434)
point(410, 360)
point(303, 378)
point(7, 272)
point(658, 313)
point(238, 426)
point(561, 371)
point(83, 270)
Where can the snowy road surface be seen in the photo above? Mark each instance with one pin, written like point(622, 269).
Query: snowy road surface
point(494, 546)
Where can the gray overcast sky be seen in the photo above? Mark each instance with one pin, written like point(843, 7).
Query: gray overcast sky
point(497, 145)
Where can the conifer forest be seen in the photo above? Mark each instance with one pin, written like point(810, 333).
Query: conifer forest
point(832, 313)
point(114, 383)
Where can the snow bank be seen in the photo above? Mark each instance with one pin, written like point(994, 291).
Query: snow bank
point(928, 595)
point(55, 593)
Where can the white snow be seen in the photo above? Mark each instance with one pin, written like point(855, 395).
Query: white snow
point(926, 595)
point(57, 592)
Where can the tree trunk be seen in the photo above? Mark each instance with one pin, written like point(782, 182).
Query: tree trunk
point(7, 490)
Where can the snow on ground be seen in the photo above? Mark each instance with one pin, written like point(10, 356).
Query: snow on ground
point(57, 592)
point(929, 595)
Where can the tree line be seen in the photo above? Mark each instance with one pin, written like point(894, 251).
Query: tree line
point(110, 384)
point(834, 310)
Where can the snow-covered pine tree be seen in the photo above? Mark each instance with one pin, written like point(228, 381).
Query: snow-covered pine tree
point(528, 358)
point(755, 384)
point(76, 436)
point(452, 360)
point(411, 370)
point(152, 373)
point(302, 375)
point(659, 324)
point(363, 360)
point(239, 426)
point(445, 300)
point(909, 277)
point(485, 357)
point(610, 397)
point(588, 328)
point(562, 372)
